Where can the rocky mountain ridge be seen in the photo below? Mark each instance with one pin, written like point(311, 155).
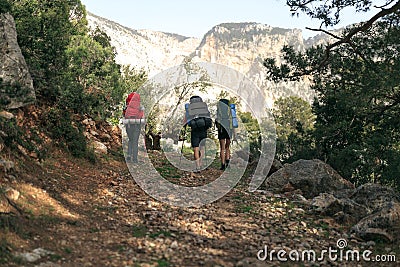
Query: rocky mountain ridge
point(143, 49)
point(241, 46)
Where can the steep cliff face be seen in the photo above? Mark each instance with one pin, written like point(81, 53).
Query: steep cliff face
point(151, 50)
point(241, 46)
point(244, 46)
point(13, 68)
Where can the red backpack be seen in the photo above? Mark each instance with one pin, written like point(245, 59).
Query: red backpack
point(133, 110)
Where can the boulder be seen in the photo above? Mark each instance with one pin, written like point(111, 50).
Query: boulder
point(344, 210)
point(99, 147)
point(276, 165)
point(7, 201)
point(105, 137)
point(374, 196)
point(13, 68)
point(12, 194)
point(312, 177)
point(7, 115)
point(35, 255)
point(383, 224)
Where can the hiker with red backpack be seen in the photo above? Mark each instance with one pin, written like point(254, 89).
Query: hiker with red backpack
point(133, 120)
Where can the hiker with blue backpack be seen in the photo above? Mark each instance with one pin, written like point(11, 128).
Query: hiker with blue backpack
point(226, 122)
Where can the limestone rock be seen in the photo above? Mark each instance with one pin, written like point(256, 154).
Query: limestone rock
point(384, 224)
point(276, 165)
point(12, 194)
point(374, 196)
point(343, 210)
point(48, 264)
point(312, 177)
point(99, 147)
point(7, 115)
point(35, 255)
point(13, 68)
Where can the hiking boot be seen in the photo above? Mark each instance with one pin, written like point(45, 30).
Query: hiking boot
point(223, 167)
point(196, 170)
point(227, 163)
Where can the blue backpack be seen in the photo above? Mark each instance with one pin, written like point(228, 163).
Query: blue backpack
point(226, 115)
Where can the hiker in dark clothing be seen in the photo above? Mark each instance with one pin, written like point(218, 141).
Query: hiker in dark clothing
point(199, 121)
point(225, 131)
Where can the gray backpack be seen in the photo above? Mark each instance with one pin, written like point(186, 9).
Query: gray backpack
point(198, 114)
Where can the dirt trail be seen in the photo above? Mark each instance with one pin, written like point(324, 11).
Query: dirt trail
point(96, 215)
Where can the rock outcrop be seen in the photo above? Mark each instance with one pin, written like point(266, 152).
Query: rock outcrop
point(372, 210)
point(311, 177)
point(16, 85)
point(101, 135)
point(383, 224)
point(374, 196)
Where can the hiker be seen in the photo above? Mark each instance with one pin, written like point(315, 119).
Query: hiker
point(134, 114)
point(225, 131)
point(198, 118)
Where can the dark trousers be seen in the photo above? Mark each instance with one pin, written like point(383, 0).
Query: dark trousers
point(133, 132)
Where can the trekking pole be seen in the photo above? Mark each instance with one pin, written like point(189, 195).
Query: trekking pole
point(205, 150)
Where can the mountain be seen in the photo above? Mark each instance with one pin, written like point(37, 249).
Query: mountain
point(151, 50)
point(244, 46)
point(241, 46)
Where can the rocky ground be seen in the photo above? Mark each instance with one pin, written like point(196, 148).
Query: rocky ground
point(69, 212)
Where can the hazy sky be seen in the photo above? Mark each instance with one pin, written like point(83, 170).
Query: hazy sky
point(195, 18)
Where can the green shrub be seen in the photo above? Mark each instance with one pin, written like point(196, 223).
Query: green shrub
point(13, 136)
point(5, 6)
point(5, 252)
point(67, 133)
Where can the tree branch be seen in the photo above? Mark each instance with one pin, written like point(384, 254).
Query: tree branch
point(347, 39)
point(324, 31)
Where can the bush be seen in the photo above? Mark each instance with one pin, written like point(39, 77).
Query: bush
point(13, 136)
point(69, 135)
point(5, 6)
point(253, 132)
